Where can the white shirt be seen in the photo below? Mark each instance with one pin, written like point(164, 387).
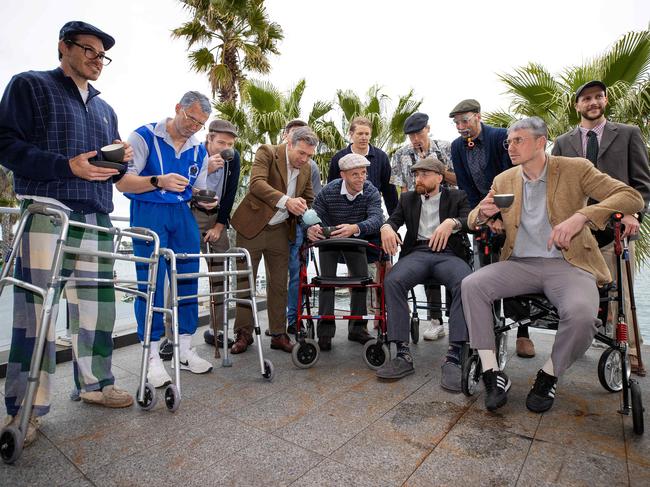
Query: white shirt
point(348, 195)
point(429, 216)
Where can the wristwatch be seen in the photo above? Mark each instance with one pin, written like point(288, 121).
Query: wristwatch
point(154, 181)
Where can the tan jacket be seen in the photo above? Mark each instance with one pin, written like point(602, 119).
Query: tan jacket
point(268, 184)
point(570, 182)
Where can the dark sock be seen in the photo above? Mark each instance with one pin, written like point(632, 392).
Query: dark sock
point(453, 353)
point(403, 351)
point(522, 332)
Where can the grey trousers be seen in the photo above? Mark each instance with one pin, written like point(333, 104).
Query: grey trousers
point(570, 289)
point(417, 267)
point(357, 263)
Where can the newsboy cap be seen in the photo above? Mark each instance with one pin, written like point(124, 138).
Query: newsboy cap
point(429, 164)
point(76, 27)
point(352, 161)
point(469, 105)
point(590, 84)
point(415, 122)
point(223, 126)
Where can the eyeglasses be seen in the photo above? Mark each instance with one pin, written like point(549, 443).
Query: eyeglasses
point(515, 142)
point(90, 53)
point(194, 121)
point(464, 120)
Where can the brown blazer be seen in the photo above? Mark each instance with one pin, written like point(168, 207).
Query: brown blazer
point(570, 182)
point(268, 184)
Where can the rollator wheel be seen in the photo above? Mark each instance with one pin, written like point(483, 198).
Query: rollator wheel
point(149, 397)
point(269, 372)
point(305, 353)
point(501, 343)
point(375, 354)
point(415, 329)
point(470, 371)
point(172, 398)
point(11, 444)
point(610, 370)
point(637, 407)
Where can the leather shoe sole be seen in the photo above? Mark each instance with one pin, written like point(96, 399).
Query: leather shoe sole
point(361, 338)
point(283, 342)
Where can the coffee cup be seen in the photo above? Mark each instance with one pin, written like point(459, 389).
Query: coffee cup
point(327, 231)
point(113, 152)
point(227, 154)
point(503, 200)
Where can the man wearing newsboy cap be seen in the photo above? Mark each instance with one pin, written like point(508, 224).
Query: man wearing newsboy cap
point(51, 124)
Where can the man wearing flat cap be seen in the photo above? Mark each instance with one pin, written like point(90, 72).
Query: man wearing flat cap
point(51, 124)
point(433, 248)
point(352, 205)
point(422, 145)
point(619, 151)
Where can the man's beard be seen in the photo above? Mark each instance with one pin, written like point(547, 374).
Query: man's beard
point(422, 189)
point(586, 116)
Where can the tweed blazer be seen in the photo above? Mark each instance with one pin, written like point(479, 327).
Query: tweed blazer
point(268, 184)
point(622, 154)
point(570, 182)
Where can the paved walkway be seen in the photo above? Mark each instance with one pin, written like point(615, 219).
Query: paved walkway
point(335, 424)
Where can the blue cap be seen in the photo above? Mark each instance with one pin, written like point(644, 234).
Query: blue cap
point(76, 27)
point(415, 122)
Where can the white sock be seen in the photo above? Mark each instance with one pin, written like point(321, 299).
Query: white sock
point(154, 350)
point(185, 342)
point(488, 360)
point(548, 367)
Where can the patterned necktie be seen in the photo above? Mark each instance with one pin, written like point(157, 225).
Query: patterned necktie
point(592, 147)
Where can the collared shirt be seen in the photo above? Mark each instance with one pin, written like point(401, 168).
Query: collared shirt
point(477, 164)
point(534, 226)
point(214, 180)
point(598, 129)
point(348, 195)
point(406, 156)
point(429, 216)
point(292, 178)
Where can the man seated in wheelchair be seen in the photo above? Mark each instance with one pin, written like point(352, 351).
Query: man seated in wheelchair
point(348, 207)
point(549, 249)
point(433, 248)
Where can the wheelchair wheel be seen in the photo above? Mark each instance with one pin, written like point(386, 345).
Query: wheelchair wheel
point(637, 407)
point(610, 370)
point(375, 354)
point(150, 398)
point(415, 329)
point(305, 354)
point(11, 444)
point(470, 371)
point(501, 343)
point(172, 398)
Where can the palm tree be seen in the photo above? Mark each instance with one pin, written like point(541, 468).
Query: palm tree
point(624, 68)
point(231, 37)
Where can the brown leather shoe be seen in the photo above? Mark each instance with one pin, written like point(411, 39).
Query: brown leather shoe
point(243, 340)
point(282, 342)
point(362, 336)
point(525, 347)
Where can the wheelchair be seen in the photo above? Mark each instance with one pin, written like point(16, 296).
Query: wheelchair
point(306, 351)
point(614, 370)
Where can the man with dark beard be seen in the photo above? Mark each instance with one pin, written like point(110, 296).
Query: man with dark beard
point(433, 249)
point(619, 151)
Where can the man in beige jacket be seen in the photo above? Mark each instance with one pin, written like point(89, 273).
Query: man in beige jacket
point(548, 249)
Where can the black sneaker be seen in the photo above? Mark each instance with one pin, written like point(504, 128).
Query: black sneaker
point(541, 396)
point(208, 337)
point(399, 367)
point(166, 351)
point(497, 385)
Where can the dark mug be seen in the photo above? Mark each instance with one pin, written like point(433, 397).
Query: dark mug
point(227, 154)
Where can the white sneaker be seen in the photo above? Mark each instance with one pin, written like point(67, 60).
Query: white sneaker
point(157, 375)
point(195, 364)
point(434, 331)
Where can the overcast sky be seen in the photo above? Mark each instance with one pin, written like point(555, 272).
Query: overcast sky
point(444, 51)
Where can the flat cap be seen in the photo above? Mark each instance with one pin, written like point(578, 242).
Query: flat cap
point(77, 27)
point(415, 122)
point(223, 126)
point(469, 105)
point(429, 164)
point(352, 161)
point(590, 84)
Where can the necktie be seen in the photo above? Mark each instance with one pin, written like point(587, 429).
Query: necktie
point(592, 147)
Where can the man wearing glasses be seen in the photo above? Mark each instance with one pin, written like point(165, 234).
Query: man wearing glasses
point(169, 162)
point(549, 249)
point(51, 124)
point(479, 155)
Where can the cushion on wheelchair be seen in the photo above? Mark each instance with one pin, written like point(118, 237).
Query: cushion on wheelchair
point(342, 281)
point(341, 243)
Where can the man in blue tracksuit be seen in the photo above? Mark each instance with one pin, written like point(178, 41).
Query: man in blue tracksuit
point(168, 163)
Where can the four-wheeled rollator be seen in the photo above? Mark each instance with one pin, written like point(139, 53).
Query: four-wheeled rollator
point(12, 438)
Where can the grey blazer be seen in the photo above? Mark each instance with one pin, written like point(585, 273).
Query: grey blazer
point(622, 154)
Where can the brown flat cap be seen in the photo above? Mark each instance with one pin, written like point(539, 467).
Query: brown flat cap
point(469, 105)
point(223, 126)
point(429, 164)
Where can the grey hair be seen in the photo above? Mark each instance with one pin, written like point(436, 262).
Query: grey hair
point(304, 134)
point(192, 97)
point(535, 124)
